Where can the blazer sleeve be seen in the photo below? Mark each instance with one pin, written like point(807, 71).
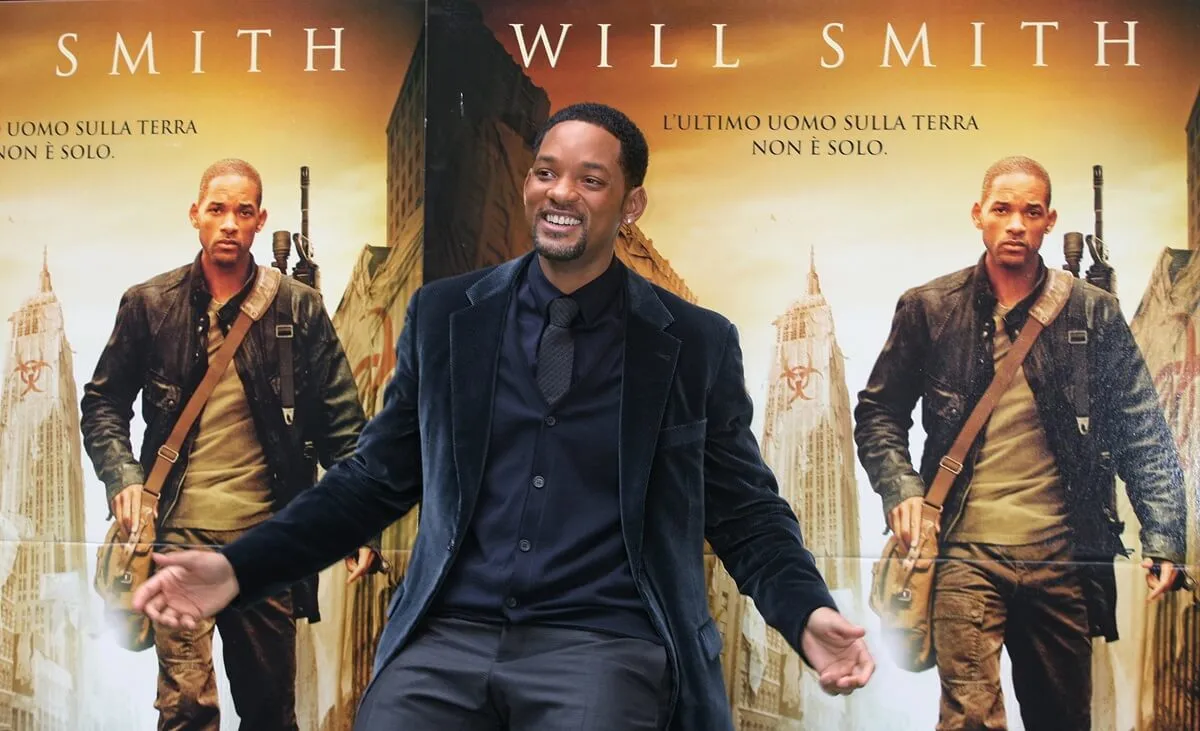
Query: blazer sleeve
point(752, 529)
point(356, 499)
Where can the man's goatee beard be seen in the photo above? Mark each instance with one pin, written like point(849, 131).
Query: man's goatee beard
point(560, 254)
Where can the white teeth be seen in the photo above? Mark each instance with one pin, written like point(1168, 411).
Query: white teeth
point(562, 220)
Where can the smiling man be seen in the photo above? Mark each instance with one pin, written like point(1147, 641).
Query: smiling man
point(1028, 531)
point(241, 460)
point(573, 434)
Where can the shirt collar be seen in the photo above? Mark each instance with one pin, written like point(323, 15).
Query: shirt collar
point(985, 296)
point(202, 297)
point(593, 298)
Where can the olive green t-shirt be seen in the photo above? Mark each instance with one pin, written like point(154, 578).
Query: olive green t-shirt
point(1015, 496)
point(227, 483)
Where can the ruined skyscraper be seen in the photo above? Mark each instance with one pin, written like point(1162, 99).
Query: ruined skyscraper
point(484, 113)
point(1166, 325)
point(807, 434)
point(808, 444)
point(339, 651)
point(406, 148)
point(43, 582)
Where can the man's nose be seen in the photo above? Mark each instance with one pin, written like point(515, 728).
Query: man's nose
point(562, 191)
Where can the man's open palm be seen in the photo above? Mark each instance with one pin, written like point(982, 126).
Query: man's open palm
point(188, 586)
point(836, 650)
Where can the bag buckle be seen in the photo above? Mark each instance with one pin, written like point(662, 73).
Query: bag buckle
point(168, 454)
point(1077, 337)
point(289, 415)
point(950, 464)
point(283, 331)
point(904, 597)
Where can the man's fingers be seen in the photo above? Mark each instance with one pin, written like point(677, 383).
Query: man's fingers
point(847, 631)
point(169, 617)
point(145, 593)
point(1159, 585)
point(176, 558)
point(866, 667)
point(851, 671)
point(360, 568)
point(1156, 588)
point(837, 684)
point(902, 526)
point(841, 631)
point(121, 511)
point(155, 607)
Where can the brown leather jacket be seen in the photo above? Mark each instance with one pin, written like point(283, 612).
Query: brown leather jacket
point(939, 351)
point(158, 347)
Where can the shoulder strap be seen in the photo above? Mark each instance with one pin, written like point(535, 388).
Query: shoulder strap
point(284, 336)
point(1052, 300)
point(1077, 339)
point(252, 309)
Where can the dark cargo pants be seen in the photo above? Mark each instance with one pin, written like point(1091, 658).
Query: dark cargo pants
point(1029, 600)
point(259, 645)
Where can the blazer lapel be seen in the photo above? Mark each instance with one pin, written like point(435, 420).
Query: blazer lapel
point(650, 357)
point(475, 336)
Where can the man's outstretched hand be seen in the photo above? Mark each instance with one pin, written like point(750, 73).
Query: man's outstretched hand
point(188, 586)
point(836, 650)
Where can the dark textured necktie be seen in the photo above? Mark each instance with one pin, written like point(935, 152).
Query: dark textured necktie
point(556, 354)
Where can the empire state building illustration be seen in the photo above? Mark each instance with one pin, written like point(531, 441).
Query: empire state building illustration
point(807, 434)
point(43, 571)
point(808, 444)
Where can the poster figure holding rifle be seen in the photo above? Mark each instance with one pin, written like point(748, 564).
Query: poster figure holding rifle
point(244, 388)
point(1034, 395)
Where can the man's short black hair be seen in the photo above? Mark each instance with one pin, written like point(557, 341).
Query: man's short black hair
point(635, 153)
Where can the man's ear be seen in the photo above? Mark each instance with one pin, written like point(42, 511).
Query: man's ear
point(635, 205)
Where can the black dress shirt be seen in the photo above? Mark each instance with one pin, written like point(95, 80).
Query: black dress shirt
point(544, 544)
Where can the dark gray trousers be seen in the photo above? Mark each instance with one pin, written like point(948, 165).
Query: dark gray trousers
point(456, 675)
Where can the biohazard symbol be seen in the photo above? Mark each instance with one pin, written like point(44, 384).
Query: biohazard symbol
point(1176, 385)
point(797, 378)
point(30, 372)
point(379, 365)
